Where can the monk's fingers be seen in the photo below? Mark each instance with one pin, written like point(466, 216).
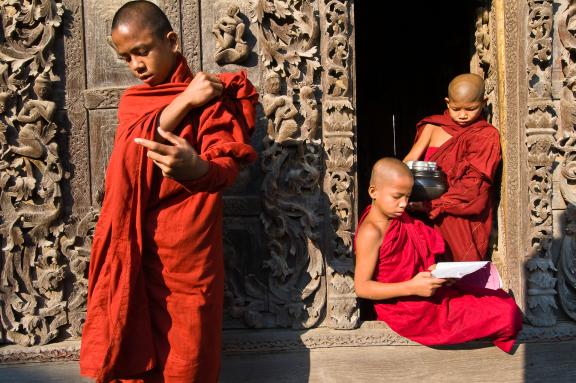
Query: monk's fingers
point(175, 157)
point(166, 170)
point(167, 160)
point(154, 146)
point(171, 137)
point(208, 84)
point(218, 88)
point(213, 78)
point(438, 282)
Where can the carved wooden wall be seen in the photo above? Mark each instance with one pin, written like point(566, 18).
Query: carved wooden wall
point(289, 220)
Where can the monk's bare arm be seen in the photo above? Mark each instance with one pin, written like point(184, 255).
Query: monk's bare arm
point(203, 88)
point(420, 145)
point(368, 243)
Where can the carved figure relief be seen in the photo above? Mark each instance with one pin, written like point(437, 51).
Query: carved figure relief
point(566, 259)
point(485, 58)
point(295, 289)
point(279, 109)
point(540, 141)
point(339, 183)
point(36, 122)
point(228, 31)
point(33, 267)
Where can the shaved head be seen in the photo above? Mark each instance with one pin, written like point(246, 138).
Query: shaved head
point(467, 87)
point(388, 168)
point(144, 15)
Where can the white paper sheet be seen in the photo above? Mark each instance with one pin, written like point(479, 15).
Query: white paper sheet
point(456, 269)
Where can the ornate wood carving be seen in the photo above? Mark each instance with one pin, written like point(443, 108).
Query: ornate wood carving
point(339, 179)
point(485, 63)
point(294, 292)
point(566, 262)
point(191, 35)
point(229, 31)
point(75, 245)
point(33, 304)
point(540, 141)
point(485, 58)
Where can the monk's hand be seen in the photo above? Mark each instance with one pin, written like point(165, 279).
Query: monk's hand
point(424, 284)
point(203, 88)
point(177, 159)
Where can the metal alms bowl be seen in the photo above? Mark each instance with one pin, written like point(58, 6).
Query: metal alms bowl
point(429, 181)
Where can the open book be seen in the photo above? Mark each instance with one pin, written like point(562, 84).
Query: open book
point(482, 274)
point(456, 269)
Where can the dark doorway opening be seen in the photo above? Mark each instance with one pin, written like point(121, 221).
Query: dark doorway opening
point(406, 53)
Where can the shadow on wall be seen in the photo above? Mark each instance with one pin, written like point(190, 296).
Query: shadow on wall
point(551, 305)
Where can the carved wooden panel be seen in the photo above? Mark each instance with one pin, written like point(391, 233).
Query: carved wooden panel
point(33, 269)
point(338, 136)
point(540, 141)
point(103, 68)
point(565, 256)
point(294, 205)
point(102, 130)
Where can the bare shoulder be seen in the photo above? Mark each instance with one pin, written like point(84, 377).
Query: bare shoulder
point(429, 129)
point(438, 136)
point(370, 234)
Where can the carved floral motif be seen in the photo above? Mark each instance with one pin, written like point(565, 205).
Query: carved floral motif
point(540, 141)
point(339, 182)
point(486, 58)
point(294, 292)
point(33, 267)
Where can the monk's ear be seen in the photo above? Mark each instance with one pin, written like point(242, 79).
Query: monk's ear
point(174, 42)
point(372, 191)
point(447, 100)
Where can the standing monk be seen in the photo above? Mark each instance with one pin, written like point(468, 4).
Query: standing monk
point(467, 148)
point(156, 276)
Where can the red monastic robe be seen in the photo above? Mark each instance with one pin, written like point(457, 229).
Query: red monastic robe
point(470, 160)
point(454, 314)
point(156, 278)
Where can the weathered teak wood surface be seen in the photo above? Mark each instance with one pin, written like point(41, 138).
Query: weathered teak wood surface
point(532, 363)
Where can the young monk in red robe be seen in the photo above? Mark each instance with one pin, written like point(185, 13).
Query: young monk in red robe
point(394, 256)
point(156, 275)
point(467, 148)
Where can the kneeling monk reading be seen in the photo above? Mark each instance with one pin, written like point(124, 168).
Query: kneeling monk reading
point(394, 256)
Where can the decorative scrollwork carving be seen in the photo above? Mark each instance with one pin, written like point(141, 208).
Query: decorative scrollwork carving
point(339, 183)
point(75, 245)
point(485, 58)
point(33, 267)
point(295, 291)
point(540, 141)
point(566, 259)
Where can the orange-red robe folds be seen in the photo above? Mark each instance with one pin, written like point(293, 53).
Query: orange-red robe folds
point(470, 160)
point(454, 314)
point(156, 274)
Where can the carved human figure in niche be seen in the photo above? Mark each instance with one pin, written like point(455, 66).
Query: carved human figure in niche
point(228, 30)
point(279, 109)
point(310, 113)
point(5, 98)
point(36, 115)
point(338, 50)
